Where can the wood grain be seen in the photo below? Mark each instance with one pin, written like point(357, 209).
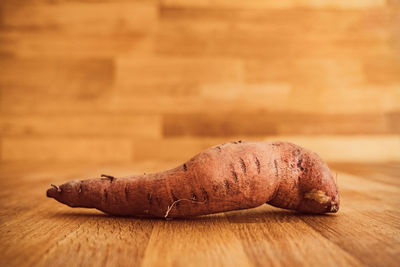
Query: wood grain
point(59, 149)
point(36, 231)
point(78, 78)
point(242, 124)
point(122, 87)
point(341, 4)
point(107, 125)
point(332, 148)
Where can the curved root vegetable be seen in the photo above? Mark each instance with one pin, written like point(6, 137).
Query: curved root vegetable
point(232, 176)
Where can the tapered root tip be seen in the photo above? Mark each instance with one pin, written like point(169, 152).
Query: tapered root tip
point(52, 191)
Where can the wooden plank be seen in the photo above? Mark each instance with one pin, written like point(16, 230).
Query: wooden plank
point(273, 70)
point(211, 40)
point(363, 244)
point(275, 21)
point(74, 234)
point(79, 75)
point(150, 99)
point(55, 30)
point(283, 238)
point(323, 73)
point(367, 207)
point(379, 172)
point(44, 149)
point(383, 70)
point(357, 190)
point(347, 99)
point(41, 100)
point(24, 203)
point(365, 231)
point(108, 125)
point(268, 35)
point(358, 24)
point(238, 96)
point(35, 83)
point(210, 242)
point(356, 148)
point(77, 29)
point(68, 17)
point(342, 4)
point(6, 45)
point(258, 124)
point(172, 76)
point(187, 103)
point(265, 97)
point(353, 71)
point(127, 236)
point(69, 45)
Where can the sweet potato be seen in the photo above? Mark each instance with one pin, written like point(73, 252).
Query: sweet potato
point(233, 176)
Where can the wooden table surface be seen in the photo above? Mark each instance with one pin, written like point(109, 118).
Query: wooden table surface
point(36, 231)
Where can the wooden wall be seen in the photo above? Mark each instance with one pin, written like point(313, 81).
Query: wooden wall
point(124, 81)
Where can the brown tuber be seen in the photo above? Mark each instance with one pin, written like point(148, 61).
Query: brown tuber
point(227, 177)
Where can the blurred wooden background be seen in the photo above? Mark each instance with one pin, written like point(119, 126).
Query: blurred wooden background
point(123, 87)
point(124, 81)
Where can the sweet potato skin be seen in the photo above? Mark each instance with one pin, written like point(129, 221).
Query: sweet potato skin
point(233, 176)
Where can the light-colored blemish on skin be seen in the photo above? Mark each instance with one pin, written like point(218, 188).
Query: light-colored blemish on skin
point(318, 195)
